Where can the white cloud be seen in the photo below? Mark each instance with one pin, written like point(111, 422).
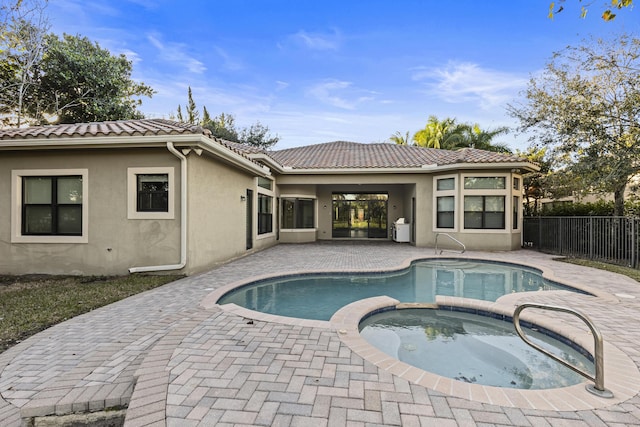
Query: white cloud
point(341, 94)
point(470, 83)
point(317, 41)
point(280, 85)
point(176, 53)
point(325, 92)
point(228, 62)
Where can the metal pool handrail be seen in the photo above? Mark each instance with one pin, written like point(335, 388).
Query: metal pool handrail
point(464, 248)
point(597, 389)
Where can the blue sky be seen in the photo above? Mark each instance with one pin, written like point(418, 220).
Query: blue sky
point(355, 70)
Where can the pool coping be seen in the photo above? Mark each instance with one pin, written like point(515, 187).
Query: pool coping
point(622, 375)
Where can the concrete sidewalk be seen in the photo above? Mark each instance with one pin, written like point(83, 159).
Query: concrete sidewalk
point(171, 357)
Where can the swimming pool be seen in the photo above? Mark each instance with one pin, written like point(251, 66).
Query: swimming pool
point(318, 296)
point(472, 348)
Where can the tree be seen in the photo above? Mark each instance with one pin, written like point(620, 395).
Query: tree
point(475, 137)
point(23, 28)
point(533, 183)
point(206, 118)
point(192, 112)
point(257, 135)
point(81, 82)
point(448, 134)
point(223, 126)
point(586, 108)
point(400, 139)
point(179, 115)
point(607, 15)
point(445, 134)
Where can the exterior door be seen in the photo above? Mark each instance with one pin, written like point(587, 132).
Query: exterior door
point(377, 219)
point(413, 220)
point(359, 216)
point(249, 219)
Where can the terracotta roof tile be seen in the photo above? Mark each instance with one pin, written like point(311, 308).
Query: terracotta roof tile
point(342, 154)
point(113, 128)
point(332, 155)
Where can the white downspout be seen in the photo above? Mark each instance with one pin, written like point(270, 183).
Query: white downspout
point(183, 219)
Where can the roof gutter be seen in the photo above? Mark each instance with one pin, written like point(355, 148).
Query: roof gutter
point(183, 220)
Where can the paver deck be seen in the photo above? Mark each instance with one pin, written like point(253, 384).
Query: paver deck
point(175, 358)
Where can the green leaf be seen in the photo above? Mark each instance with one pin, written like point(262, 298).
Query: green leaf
point(583, 12)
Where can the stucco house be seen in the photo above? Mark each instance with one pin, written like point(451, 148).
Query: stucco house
point(156, 195)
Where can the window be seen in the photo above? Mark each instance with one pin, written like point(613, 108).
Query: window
point(484, 212)
point(49, 206)
point(446, 212)
point(298, 213)
point(485, 183)
point(52, 205)
point(446, 184)
point(151, 193)
point(265, 183)
point(516, 183)
point(265, 215)
point(516, 207)
point(445, 206)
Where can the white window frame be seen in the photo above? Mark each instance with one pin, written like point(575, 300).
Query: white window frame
point(506, 193)
point(446, 193)
point(271, 193)
point(16, 206)
point(132, 192)
point(519, 193)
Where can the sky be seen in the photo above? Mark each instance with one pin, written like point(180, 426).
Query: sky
point(351, 70)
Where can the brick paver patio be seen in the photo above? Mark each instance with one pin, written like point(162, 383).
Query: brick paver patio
point(172, 357)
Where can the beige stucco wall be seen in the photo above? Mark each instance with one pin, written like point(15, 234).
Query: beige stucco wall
point(402, 188)
point(114, 242)
point(217, 215)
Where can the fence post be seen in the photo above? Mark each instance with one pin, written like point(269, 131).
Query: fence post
point(560, 235)
point(634, 264)
point(590, 238)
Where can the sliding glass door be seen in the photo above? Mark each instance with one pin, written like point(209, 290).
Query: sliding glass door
point(360, 216)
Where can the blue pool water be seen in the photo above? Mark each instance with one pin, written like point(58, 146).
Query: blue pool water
point(319, 296)
point(472, 348)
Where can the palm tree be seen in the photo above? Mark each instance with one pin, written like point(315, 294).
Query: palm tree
point(474, 137)
point(399, 138)
point(445, 134)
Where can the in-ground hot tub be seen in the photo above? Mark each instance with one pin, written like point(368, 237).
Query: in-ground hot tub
point(473, 348)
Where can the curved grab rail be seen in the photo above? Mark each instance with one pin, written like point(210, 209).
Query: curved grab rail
point(464, 248)
point(597, 389)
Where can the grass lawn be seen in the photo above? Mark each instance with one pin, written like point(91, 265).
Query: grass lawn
point(30, 304)
point(627, 271)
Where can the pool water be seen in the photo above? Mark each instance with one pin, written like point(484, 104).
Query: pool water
point(472, 348)
point(318, 297)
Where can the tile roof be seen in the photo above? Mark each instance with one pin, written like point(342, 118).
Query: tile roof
point(111, 128)
point(331, 155)
point(342, 154)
